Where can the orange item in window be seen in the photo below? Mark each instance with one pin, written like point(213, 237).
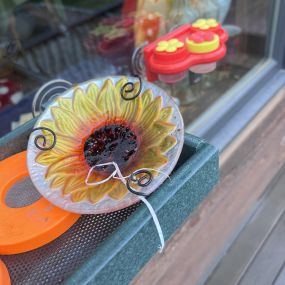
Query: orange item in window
point(150, 20)
point(4, 274)
point(27, 228)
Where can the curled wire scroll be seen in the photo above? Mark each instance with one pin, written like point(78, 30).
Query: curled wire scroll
point(143, 181)
point(43, 138)
point(47, 92)
point(138, 66)
point(129, 87)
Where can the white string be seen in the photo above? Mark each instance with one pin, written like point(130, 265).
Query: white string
point(122, 178)
point(102, 181)
point(156, 222)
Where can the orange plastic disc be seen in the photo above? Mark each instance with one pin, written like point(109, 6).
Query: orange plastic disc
point(4, 274)
point(32, 226)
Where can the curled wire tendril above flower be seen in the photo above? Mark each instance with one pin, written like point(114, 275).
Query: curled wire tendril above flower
point(43, 146)
point(131, 89)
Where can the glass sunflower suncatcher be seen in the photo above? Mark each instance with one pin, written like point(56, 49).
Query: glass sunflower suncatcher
point(94, 125)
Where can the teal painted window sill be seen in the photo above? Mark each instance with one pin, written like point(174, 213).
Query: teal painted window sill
point(112, 248)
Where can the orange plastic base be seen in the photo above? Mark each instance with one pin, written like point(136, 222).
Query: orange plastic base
point(27, 228)
point(4, 274)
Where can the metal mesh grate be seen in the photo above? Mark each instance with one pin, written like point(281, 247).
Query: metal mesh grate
point(53, 263)
point(22, 193)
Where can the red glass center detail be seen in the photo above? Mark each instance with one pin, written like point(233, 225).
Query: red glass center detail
point(114, 142)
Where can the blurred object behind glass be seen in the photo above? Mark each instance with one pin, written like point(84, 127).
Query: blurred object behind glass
point(77, 40)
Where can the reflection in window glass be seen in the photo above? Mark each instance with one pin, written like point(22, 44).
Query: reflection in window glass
point(78, 40)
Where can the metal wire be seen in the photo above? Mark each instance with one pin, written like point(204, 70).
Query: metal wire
point(44, 140)
point(130, 89)
point(142, 181)
point(48, 91)
point(138, 60)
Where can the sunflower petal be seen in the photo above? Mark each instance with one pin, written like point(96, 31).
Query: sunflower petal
point(78, 196)
point(73, 183)
point(63, 143)
point(48, 157)
point(157, 133)
point(65, 103)
point(151, 113)
point(69, 165)
point(67, 145)
point(146, 98)
point(108, 101)
point(58, 181)
point(118, 192)
point(96, 193)
point(66, 122)
point(83, 107)
point(92, 93)
point(48, 124)
point(120, 83)
point(132, 109)
point(151, 158)
point(168, 143)
point(165, 113)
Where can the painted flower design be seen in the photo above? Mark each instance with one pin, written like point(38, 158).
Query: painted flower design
point(97, 126)
point(169, 46)
point(205, 24)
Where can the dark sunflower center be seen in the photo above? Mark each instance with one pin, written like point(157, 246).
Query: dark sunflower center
point(115, 142)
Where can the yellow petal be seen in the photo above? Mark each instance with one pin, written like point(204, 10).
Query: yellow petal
point(151, 113)
point(146, 98)
point(132, 109)
point(151, 158)
point(83, 107)
point(120, 83)
point(78, 196)
point(67, 145)
point(70, 165)
point(65, 103)
point(47, 157)
point(109, 99)
point(48, 124)
point(74, 183)
point(119, 192)
point(58, 181)
point(165, 113)
point(157, 133)
point(168, 143)
point(93, 93)
point(96, 193)
point(66, 121)
point(63, 143)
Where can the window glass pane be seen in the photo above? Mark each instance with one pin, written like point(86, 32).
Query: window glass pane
point(78, 40)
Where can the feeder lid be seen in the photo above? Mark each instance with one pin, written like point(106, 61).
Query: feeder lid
point(26, 227)
point(4, 274)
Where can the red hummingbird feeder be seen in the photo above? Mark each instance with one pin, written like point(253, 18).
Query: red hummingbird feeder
point(196, 47)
